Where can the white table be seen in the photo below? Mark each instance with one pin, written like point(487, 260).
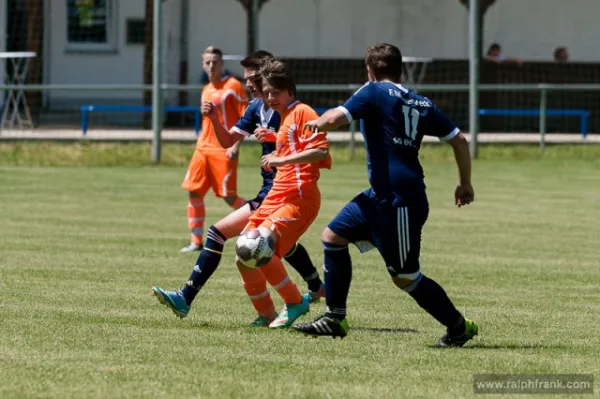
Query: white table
point(16, 112)
point(414, 69)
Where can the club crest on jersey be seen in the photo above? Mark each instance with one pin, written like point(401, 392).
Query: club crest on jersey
point(404, 142)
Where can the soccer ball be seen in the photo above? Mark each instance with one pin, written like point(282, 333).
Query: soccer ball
point(255, 247)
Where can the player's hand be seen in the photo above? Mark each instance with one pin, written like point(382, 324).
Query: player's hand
point(270, 161)
point(264, 161)
point(311, 125)
point(464, 195)
point(208, 109)
point(264, 135)
point(233, 152)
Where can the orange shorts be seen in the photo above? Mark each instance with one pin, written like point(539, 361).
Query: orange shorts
point(211, 169)
point(288, 217)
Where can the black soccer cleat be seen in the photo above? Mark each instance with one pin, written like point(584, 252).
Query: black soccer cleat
point(457, 341)
point(324, 326)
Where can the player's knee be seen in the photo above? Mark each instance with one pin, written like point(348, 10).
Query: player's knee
point(330, 237)
point(215, 233)
point(220, 226)
point(229, 228)
point(407, 282)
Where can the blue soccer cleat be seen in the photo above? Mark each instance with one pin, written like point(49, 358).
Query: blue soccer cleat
point(313, 296)
point(172, 299)
point(290, 313)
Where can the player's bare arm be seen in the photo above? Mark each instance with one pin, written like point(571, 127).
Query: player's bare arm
point(332, 119)
point(209, 110)
point(233, 152)
point(464, 193)
point(307, 156)
point(226, 139)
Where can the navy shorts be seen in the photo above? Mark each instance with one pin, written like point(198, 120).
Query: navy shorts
point(394, 230)
point(260, 197)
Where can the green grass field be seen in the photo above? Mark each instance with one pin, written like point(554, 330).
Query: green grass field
point(81, 248)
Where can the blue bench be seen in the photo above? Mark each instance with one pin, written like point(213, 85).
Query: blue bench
point(583, 114)
point(86, 109)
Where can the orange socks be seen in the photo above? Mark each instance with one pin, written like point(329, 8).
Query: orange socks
point(277, 276)
point(256, 288)
point(196, 213)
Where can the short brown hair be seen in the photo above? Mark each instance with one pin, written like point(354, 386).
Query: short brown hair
point(279, 76)
point(385, 61)
point(213, 50)
point(256, 60)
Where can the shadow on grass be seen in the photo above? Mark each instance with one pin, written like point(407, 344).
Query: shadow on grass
point(506, 346)
point(386, 330)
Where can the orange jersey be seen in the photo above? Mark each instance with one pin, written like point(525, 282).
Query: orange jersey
point(294, 200)
point(292, 138)
point(231, 100)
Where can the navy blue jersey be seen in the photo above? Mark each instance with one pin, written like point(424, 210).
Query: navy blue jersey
point(256, 116)
point(393, 123)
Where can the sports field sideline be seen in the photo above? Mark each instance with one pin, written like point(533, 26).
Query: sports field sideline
point(70, 134)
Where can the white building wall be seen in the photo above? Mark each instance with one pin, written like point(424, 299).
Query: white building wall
point(123, 65)
point(171, 45)
point(532, 29)
point(219, 23)
point(344, 28)
point(529, 29)
point(427, 28)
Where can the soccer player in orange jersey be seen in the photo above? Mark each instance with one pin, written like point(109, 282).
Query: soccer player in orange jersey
point(262, 122)
point(293, 202)
point(212, 166)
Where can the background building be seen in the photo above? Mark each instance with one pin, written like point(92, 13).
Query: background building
point(102, 41)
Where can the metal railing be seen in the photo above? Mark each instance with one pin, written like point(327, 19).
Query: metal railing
point(541, 88)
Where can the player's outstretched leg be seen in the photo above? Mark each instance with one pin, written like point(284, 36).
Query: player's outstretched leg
point(299, 259)
point(255, 285)
point(295, 304)
point(206, 264)
point(338, 275)
point(434, 300)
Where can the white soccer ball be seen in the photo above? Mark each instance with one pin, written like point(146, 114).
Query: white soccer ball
point(255, 247)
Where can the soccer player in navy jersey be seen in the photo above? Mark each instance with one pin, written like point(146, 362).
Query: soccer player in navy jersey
point(262, 122)
point(391, 213)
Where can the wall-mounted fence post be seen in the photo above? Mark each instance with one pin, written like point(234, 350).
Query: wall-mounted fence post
point(157, 97)
point(543, 107)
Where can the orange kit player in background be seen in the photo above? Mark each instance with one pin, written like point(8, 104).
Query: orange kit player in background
point(294, 201)
point(212, 166)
